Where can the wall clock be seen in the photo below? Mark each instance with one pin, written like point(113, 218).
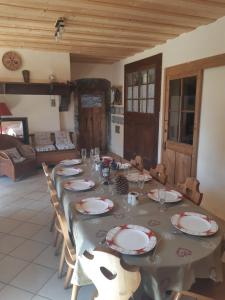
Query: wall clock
point(12, 60)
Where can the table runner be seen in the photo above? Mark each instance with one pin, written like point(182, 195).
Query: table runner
point(179, 258)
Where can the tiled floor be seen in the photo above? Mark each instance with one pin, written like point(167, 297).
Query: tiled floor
point(28, 267)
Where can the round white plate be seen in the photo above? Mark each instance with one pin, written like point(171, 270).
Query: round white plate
point(134, 177)
point(68, 171)
point(79, 185)
point(94, 205)
point(70, 162)
point(171, 196)
point(107, 158)
point(131, 239)
point(194, 223)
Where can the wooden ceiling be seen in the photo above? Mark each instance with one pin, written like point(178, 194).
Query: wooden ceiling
point(101, 31)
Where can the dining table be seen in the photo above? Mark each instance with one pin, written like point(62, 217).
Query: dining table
point(177, 259)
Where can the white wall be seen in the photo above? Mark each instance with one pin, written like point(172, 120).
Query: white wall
point(40, 64)
point(84, 70)
point(37, 108)
point(203, 42)
point(211, 157)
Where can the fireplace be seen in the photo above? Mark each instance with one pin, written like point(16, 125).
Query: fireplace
point(17, 127)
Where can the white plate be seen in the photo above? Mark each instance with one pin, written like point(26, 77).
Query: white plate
point(107, 158)
point(194, 223)
point(68, 171)
point(131, 239)
point(94, 205)
point(134, 177)
point(123, 166)
point(70, 162)
point(79, 185)
point(171, 196)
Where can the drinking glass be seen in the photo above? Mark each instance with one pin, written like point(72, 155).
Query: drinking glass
point(161, 199)
point(97, 151)
point(83, 154)
point(141, 183)
point(92, 154)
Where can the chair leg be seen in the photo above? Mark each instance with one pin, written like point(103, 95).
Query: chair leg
point(56, 238)
point(62, 260)
point(52, 222)
point(74, 292)
point(58, 244)
point(68, 277)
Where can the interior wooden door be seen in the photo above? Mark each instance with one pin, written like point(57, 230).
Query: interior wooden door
point(92, 120)
point(181, 124)
point(142, 104)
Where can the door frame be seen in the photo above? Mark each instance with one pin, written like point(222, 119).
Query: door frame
point(185, 70)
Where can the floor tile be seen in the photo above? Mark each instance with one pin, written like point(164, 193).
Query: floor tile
point(8, 210)
point(38, 205)
point(53, 289)
point(40, 298)
point(10, 267)
point(32, 278)
point(47, 258)
point(41, 218)
point(1, 285)
point(11, 293)
point(9, 243)
point(7, 225)
point(23, 214)
point(44, 236)
point(26, 230)
point(86, 292)
point(29, 250)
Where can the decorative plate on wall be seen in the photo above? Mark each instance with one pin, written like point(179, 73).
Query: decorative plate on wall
point(12, 60)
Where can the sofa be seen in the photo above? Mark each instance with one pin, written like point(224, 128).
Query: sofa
point(16, 159)
point(52, 147)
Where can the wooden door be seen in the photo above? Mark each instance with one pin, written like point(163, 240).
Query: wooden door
point(142, 104)
point(92, 120)
point(181, 123)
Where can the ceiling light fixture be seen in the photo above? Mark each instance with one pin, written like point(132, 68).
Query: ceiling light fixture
point(59, 28)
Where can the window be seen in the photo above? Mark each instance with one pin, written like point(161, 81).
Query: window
point(140, 91)
point(182, 110)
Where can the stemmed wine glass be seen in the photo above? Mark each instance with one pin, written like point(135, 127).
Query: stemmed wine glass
point(83, 154)
point(161, 199)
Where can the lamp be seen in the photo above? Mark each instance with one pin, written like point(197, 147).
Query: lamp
point(4, 111)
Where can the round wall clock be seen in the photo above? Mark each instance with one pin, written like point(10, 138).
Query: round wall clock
point(12, 60)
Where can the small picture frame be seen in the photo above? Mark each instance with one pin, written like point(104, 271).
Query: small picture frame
point(116, 95)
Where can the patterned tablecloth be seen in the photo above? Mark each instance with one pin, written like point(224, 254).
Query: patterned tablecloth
point(178, 258)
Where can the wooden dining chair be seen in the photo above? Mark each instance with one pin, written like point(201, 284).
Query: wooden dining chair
point(159, 173)
point(190, 188)
point(46, 170)
point(185, 295)
point(68, 253)
point(137, 162)
point(113, 279)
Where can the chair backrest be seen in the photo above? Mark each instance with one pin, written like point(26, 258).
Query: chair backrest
point(112, 279)
point(185, 295)
point(159, 173)
point(137, 162)
point(190, 188)
point(45, 169)
point(64, 227)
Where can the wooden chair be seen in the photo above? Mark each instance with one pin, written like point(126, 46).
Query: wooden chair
point(190, 188)
point(68, 253)
point(46, 170)
point(189, 296)
point(137, 162)
point(159, 173)
point(111, 277)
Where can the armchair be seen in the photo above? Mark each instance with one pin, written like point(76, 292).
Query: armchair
point(16, 160)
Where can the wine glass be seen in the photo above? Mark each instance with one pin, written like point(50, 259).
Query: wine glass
point(161, 199)
point(141, 183)
point(97, 151)
point(83, 154)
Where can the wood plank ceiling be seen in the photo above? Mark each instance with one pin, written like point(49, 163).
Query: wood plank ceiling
point(101, 31)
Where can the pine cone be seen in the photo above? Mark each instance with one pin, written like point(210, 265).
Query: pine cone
point(121, 184)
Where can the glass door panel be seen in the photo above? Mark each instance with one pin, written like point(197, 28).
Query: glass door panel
point(187, 127)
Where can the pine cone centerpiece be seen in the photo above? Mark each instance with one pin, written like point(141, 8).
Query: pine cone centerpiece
point(121, 183)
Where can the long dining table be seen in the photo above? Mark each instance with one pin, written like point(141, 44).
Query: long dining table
point(177, 259)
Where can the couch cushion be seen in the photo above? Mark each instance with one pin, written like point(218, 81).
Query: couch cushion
point(43, 139)
point(14, 155)
point(65, 146)
point(45, 148)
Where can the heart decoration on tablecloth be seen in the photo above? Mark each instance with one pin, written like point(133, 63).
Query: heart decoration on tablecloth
point(182, 252)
